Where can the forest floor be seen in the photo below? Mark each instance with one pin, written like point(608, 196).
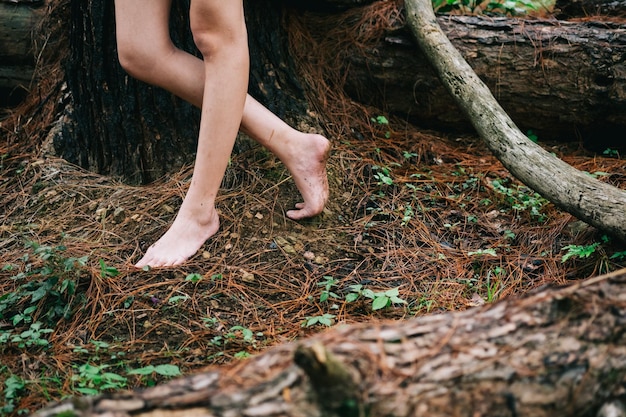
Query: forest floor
point(418, 223)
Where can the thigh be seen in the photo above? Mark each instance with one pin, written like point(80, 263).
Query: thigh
point(143, 22)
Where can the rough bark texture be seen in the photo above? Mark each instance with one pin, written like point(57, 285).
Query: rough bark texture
point(117, 125)
point(590, 200)
point(559, 352)
point(16, 51)
point(572, 8)
point(563, 80)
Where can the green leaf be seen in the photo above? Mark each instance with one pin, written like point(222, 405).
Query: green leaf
point(167, 370)
point(193, 277)
point(177, 298)
point(352, 297)
point(368, 293)
point(380, 302)
point(146, 370)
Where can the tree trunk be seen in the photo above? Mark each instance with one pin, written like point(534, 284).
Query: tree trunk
point(146, 132)
point(560, 352)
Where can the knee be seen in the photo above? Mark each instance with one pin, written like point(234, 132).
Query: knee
point(138, 60)
point(220, 39)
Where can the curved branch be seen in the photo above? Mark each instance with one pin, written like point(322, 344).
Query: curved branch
point(581, 195)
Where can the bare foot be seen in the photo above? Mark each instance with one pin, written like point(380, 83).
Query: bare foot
point(308, 168)
point(182, 240)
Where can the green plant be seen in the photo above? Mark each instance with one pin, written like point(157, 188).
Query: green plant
point(380, 300)
point(107, 271)
point(521, 198)
point(383, 175)
point(507, 7)
point(611, 152)
point(93, 379)
point(619, 255)
point(328, 283)
point(167, 370)
point(13, 387)
point(242, 355)
point(194, 278)
point(480, 252)
point(579, 251)
point(383, 121)
point(493, 283)
point(325, 320)
point(32, 337)
point(408, 215)
point(46, 288)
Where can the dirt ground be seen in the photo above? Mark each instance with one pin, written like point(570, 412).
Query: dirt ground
point(435, 217)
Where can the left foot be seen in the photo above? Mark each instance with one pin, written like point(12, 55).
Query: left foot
point(182, 240)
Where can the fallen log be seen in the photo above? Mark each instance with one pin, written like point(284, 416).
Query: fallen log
point(584, 8)
point(563, 80)
point(558, 352)
point(17, 59)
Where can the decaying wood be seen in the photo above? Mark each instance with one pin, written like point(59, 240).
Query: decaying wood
point(16, 47)
point(559, 352)
point(576, 192)
point(563, 80)
point(572, 8)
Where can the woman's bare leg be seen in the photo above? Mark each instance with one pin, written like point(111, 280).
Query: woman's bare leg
point(147, 53)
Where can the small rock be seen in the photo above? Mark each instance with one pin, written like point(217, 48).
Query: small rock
point(309, 256)
point(247, 276)
point(206, 254)
point(320, 260)
point(101, 213)
point(258, 215)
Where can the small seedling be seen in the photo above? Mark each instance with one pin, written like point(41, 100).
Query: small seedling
point(107, 271)
point(325, 320)
point(611, 152)
point(194, 278)
point(480, 252)
point(380, 300)
point(579, 251)
point(328, 283)
point(163, 370)
point(383, 175)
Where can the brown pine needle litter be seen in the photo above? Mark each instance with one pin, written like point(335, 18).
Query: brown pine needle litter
point(432, 222)
point(414, 212)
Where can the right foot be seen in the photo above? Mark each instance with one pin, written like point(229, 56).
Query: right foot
point(181, 241)
point(307, 165)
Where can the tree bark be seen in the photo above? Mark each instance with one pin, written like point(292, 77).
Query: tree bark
point(581, 195)
point(559, 352)
point(16, 51)
point(582, 8)
point(563, 80)
point(117, 125)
